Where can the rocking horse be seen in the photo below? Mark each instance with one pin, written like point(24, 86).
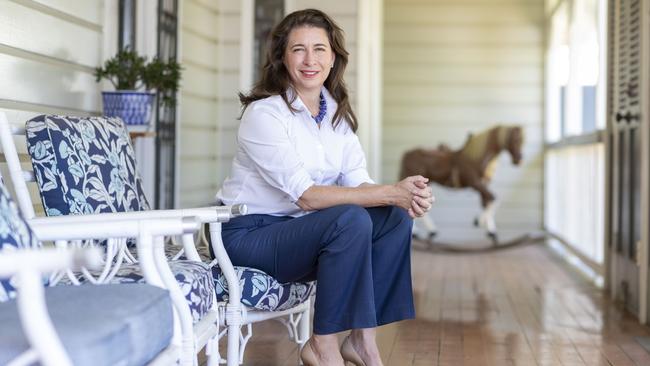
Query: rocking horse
point(472, 166)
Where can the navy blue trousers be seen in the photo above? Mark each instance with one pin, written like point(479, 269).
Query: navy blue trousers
point(359, 256)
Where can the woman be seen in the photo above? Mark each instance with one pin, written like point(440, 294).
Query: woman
point(315, 214)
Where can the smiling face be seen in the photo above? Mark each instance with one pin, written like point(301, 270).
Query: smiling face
point(308, 58)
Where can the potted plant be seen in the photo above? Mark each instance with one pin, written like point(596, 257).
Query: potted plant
point(131, 73)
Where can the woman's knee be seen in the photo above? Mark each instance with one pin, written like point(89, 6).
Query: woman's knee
point(400, 217)
point(354, 216)
point(349, 220)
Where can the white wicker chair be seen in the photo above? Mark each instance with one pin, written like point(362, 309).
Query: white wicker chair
point(233, 313)
point(22, 258)
point(190, 282)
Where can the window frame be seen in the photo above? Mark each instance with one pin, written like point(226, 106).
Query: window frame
point(600, 115)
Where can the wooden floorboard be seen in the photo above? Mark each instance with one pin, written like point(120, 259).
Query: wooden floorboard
point(517, 307)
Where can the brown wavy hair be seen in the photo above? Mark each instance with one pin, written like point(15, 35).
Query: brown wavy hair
point(275, 79)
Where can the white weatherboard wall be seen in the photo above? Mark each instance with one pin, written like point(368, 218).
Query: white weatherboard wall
point(458, 66)
point(210, 48)
point(210, 54)
point(199, 135)
point(232, 71)
point(48, 51)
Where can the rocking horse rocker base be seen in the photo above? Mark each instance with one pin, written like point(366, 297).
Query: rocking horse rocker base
point(444, 247)
point(486, 221)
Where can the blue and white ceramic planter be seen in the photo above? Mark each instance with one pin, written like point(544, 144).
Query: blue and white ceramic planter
point(133, 107)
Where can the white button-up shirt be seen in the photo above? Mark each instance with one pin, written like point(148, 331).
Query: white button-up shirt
point(280, 154)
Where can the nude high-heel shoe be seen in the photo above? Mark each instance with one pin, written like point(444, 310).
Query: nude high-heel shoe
point(349, 354)
point(307, 355)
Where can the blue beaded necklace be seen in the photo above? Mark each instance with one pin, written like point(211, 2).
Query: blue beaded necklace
point(322, 110)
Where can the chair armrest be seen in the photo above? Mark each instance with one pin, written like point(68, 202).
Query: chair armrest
point(77, 228)
point(202, 214)
point(66, 228)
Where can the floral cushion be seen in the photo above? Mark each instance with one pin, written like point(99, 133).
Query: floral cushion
point(261, 291)
point(171, 251)
point(84, 165)
point(15, 234)
point(193, 277)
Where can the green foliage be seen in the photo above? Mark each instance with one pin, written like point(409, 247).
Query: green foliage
point(129, 71)
point(164, 77)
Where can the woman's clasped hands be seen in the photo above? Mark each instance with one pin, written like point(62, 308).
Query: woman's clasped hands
point(415, 195)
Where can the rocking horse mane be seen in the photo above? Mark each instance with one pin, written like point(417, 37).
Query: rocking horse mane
point(476, 145)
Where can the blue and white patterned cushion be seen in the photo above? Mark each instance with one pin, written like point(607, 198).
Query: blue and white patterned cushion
point(193, 277)
point(263, 292)
point(15, 234)
point(259, 290)
point(84, 165)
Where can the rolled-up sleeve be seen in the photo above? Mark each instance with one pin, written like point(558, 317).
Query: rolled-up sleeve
point(354, 171)
point(264, 137)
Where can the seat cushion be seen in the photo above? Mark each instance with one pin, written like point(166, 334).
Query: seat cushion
point(261, 291)
point(15, 234)
point(171, 251)
point(84, 165)
point(99, 325)
point(194, 279)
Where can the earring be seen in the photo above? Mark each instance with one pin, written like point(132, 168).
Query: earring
point(331, 67)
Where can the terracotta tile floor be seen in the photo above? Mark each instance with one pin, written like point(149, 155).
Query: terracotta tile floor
point(516, 307)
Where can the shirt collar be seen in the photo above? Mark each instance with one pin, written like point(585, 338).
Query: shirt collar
point(300, 106)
